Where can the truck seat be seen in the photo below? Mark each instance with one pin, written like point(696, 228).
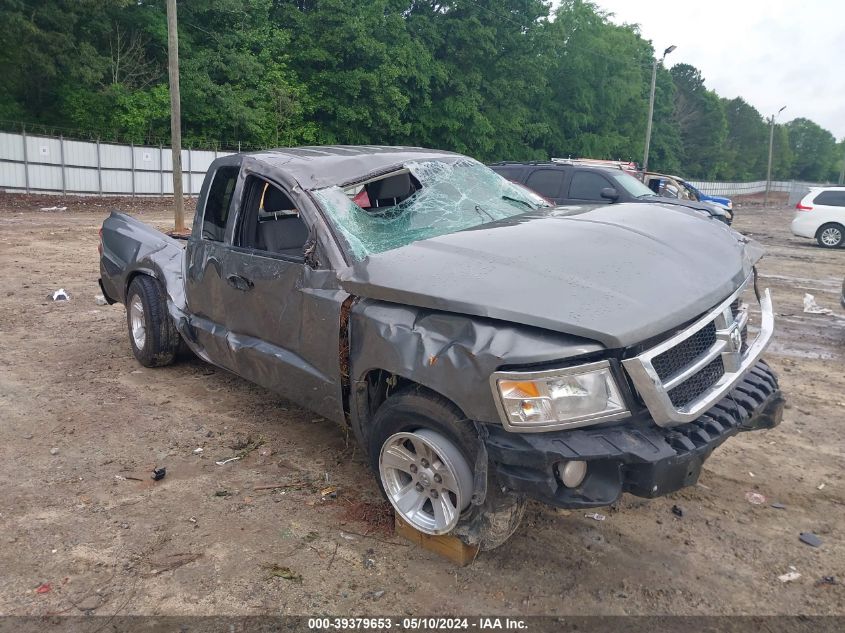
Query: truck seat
point(285, 235)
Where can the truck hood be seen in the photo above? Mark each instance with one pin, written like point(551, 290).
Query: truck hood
point(617, 274)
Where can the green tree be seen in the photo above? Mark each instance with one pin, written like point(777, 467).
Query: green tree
point(744, 154)
point(701, 121)
point(599, 76)
point(485, 77)
point(813, 149)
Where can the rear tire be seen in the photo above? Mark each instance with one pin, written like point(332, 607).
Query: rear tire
point(152, 334)
point(417, 423)
point(831, 235)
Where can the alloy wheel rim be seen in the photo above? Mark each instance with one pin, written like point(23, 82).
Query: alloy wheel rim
point(427, 479)
point(831, 236)
point(137, 323)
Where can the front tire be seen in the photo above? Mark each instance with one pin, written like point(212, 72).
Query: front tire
point(831, 235)
point(152, 334)
point(423, 452)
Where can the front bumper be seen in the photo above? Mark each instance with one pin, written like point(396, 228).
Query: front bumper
point(639, 458)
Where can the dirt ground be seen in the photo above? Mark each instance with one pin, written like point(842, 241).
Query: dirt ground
point(81, 418)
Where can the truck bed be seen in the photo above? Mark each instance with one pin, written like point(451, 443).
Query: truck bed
point(131, 246)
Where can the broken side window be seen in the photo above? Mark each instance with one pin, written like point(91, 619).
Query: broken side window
point(217, 203)
point(422, 200)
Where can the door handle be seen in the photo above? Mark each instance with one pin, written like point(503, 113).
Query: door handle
point(240, 283)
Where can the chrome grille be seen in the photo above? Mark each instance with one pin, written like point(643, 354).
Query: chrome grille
point(682, 377)
point(693, 387)
point(682, 355)
point(735, 310)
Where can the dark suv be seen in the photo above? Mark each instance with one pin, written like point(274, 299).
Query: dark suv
point(568, 183)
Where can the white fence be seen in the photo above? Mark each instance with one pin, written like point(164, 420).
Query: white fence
point(46, 164)
point(740, 188)
point(49, 164)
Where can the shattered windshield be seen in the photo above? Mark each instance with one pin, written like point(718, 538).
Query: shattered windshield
point(422, 200)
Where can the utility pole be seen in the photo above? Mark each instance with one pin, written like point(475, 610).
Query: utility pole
point(651, 106)
point(842, 171)
point(771, 143)
point(175, 114)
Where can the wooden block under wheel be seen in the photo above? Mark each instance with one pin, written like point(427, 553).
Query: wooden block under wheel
point(450, 547)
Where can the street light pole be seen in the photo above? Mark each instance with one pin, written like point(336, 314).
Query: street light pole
point(175, 115)
point(771, 143)
point(842, 171)
point(651, 105)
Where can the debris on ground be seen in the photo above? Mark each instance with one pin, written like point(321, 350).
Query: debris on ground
point(54, 451)
point(298, 484)
point(678, 511)
point(369, 563)
point(329, 492)
point(197, 450)
point(789, 576)
point(595, 516)
point(811, 307)
point(44, 588)
point(755, 498)
point(311, 536)
point(223, 462)
point(826, 580)
point(277, 571)
point(348, 537)
point(374, 595)
point(820, 486)
point(222, 493)
point(54, 208)
point(59, 295)
point(778, 506)
point(810, 539)
point(159, 473)
point(244, 446)
point(100, 300)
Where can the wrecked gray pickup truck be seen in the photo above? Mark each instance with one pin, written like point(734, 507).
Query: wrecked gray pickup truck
point(483, 348)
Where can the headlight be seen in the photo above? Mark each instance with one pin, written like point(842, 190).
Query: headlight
point(730, 204)
point(559, 398)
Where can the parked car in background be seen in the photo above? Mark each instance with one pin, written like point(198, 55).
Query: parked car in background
point(626, 166)
point(578, 182)
point(677, 187)
point(820, 215)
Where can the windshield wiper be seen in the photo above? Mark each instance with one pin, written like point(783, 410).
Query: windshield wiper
point(480, 210)
point(517, 200)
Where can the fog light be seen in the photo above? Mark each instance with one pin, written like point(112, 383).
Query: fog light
point(572, 473)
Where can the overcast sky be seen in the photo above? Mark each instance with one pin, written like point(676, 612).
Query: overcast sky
point(769, 52)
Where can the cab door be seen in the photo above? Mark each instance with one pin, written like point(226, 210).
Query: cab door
point(282, 316)
point(205, 277)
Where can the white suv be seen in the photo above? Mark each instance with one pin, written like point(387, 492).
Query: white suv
point(821, 215)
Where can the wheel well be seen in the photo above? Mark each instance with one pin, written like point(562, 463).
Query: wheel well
point(829, 224)
point(131, 277)
point(380, 383)
point(377, 385)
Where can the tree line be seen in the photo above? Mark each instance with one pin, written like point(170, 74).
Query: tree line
point(495, 79)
